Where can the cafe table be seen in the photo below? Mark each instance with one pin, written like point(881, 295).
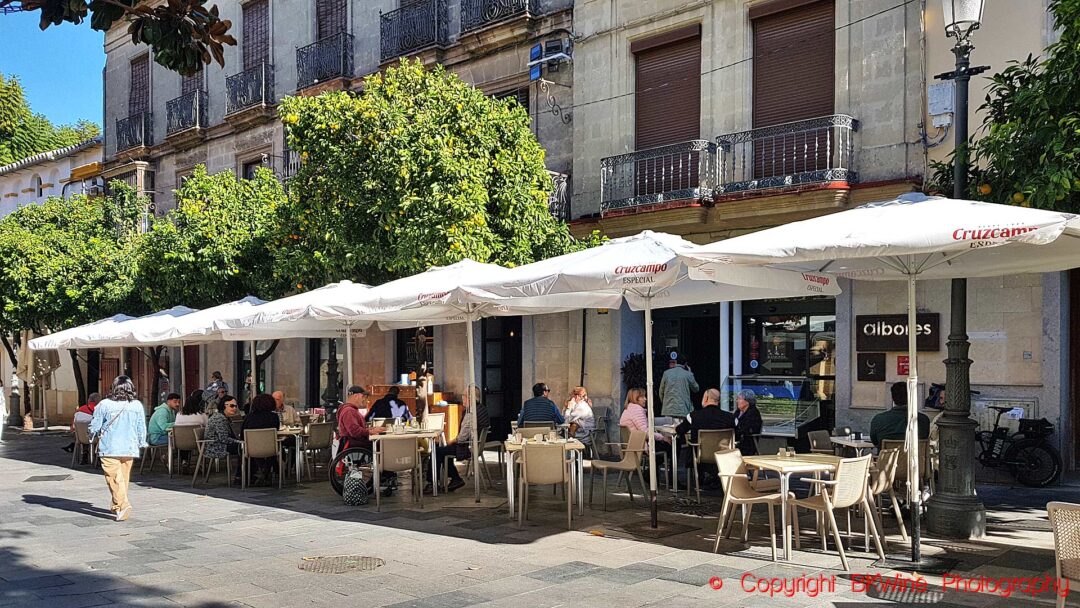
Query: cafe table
point(573, 447)
point(786, 467)
point(300, 433)
point(418, 433)
point(856, 444)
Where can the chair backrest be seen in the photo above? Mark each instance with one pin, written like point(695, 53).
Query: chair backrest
point(378, 423)
point(305, 419)
point(187, 437)
point(482, 440)
point(624, 434)
point(237, 426)
point(260, 443)
point(82, 433)
point(850, 487)
point(320, 435)
point(881, 479)
point(533, 433)
point(635, 447)
point(538, 425)
point(902, 461)
point(435, 421)
point(819, 441)
point(398, 454)
point(1065, 522)
point(543, 464)
point(732, 472)
point(718, 440)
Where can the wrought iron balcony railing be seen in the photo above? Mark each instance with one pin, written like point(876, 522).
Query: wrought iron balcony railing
point(413, 27)
point(559, 201)
point(327, 59)
point(186, 112)
point(476, 14)
point(250, 88)
point(789, 154)
point(682, 171)
point(134, 131)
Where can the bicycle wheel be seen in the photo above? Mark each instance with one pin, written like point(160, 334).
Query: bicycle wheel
point(339, 467)
point(1034, 462)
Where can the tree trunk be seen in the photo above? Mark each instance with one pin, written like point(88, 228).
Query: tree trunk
point(259, 360)
point(10, 350)
point(93, 371)
point(76, 368)
point(155, 386)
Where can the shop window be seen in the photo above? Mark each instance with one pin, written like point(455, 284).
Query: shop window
point(415, 349)
point(802, 345)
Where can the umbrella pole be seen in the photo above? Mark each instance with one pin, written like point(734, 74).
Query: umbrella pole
point(254, 370)
point(652, 418)
point(183, 373)
point(912, 435)
point(348, 356)
point(472, 405)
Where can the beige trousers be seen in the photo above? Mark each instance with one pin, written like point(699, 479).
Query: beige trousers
point(117, 475)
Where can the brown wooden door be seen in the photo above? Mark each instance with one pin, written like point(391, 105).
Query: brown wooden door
point(192, 373)
point(108, 370)
point(793, 79)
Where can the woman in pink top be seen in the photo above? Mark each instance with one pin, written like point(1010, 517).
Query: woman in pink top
point(634, 416)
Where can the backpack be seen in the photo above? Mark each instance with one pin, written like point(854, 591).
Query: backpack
point(355, 488)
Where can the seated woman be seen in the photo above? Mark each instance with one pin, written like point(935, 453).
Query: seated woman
point(635, 417)
point(262, 416)
point(219, 435)
point(192, 413)
point(579, 414)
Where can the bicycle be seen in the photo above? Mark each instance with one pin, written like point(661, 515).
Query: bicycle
point(1027, 453)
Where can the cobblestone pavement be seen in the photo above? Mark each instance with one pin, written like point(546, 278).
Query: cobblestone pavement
point(218, 546)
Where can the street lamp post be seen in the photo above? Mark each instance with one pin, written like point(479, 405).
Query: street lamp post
point(954, 511)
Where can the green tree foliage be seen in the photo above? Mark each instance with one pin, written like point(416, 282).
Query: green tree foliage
point(23, 133)
point(215, 246)
point(1028, 149)
point(67, 261)
point(421, 169)
point(182, 34)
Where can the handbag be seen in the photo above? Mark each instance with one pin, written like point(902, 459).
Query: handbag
point(355, 490)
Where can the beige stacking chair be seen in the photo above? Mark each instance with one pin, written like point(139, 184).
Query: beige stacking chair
point(739, 493)
point(320, 439)
point(186, 439)
point(882, 476)
point(499, 448)
point(847, 488)
point(400, 455)
point(631, 462)
point(260, 443)
point(544, 464)
point(1065, 522)
point(820, 442)
point(710, 442)
point(662, 452)
point(83, 443)
point(202, 457)
point(925, 469)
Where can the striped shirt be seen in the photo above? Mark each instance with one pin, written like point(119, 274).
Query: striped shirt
point(540, 409)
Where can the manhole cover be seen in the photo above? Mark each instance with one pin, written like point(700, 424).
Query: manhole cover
point(339, 564)
point(48, 478)
point(689, 506)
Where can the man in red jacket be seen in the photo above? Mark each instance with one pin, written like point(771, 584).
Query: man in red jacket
point(353, 432)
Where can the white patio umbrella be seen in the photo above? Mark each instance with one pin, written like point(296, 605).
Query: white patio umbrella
point(911, 237)
point(646, 271)
point(440, 295)
point(62, 339)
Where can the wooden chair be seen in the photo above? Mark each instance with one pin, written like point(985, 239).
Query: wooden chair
point(320, 438)
point(847, 488)
point(710, 442)
point(541, 465)
point(1065, 522)
point(739, 493)
point(186, 439)
point(820, 442)
point(260, 443)
point(83, 444)
point(631, 462)
point(399, 455)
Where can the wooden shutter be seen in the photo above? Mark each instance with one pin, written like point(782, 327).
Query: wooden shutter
point(256, 33)
point(190, 84)
point(331, 17)
point(139, 95)
point(794, 64)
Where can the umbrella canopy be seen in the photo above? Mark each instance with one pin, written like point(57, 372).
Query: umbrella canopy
point(647, 271)
point(112, 334)
point(909, 238)
point(288, 317)
point(61, 339)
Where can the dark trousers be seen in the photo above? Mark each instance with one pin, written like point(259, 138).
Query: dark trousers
point(441, 453)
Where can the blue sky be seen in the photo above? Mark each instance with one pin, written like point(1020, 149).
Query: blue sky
point(60, 68)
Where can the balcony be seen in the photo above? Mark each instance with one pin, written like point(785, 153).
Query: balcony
point(325, 60)
point(476, 14)
point(817, 150)
point(685, 171)
point(135, 131)
point(413, 27)
point(559, 200)
point(250, 89)
point(185, 113)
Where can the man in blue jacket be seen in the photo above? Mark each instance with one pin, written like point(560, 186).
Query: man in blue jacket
point(540, 408)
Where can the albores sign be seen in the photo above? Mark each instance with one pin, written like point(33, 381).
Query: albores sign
point(885, 333)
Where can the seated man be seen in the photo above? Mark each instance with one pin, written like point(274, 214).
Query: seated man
point(353, 432)
point(540, 408)
point(892, 424)
point(461, 447)
point(390, 407)
point(286, 413)
point(709, 417)
point(157, 432)
point(579, 414)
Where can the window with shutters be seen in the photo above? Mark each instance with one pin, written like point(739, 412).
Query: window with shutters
point(667, 109)
point(139, 94)
point(793, 79)
point(256, 36)
point(521, 95)
point(192, 83)
point(331, 17)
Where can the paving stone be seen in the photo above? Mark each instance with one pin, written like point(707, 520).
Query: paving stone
point(701, 575)
point(564, 573)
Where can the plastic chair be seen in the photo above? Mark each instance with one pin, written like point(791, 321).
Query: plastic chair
point(499, 448)
point(710, 442)
point(550, 426)
point(820, 442)
point(661, 452)
point(399, 455)
point(739, 493)
point(598, 436)
point(186, 439)
point(631, 461)
point(847, 488)
point(925, 470)
point(261, 443)
point(82, 443)
point(1065, 522)
point(882, 477)
point(320, 437)
point(541, 465)
point(202, 456)
point(485, 477)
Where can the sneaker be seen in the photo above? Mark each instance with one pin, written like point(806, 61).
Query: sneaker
point(122, 514)
point(455, 484)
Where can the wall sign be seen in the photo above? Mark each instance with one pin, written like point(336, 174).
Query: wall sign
point(889, 332)
point(871, 367)
point(903, 365)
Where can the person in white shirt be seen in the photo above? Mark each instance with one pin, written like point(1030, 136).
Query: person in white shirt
point(579, 415)
point(285, 412)
point(192, 413)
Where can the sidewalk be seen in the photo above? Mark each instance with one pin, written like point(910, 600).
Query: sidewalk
point(220, 546)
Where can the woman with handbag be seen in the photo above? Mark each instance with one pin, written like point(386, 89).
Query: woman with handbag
point(119, 425)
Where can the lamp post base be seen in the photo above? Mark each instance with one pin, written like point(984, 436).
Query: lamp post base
point(955, 516)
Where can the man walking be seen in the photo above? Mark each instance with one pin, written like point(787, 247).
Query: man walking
point(676, 386)
point(119, 429)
